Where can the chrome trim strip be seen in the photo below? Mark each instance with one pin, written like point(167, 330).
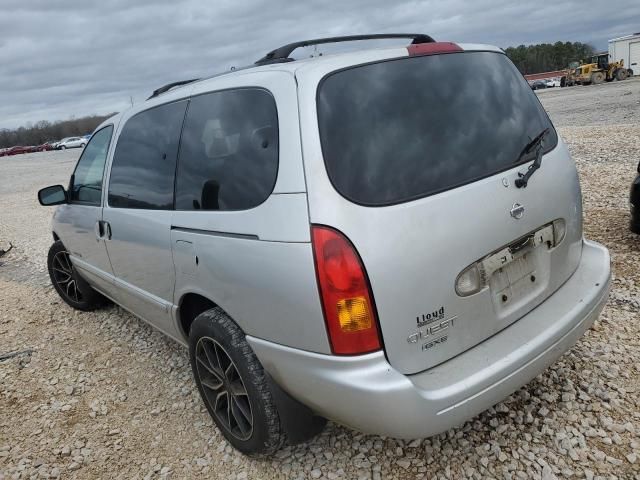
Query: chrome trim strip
point(90, 269)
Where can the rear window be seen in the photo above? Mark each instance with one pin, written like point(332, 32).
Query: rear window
point(229, 151)
point(407, 128)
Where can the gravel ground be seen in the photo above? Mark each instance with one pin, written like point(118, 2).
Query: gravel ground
point(605, 104)
point(104, 395)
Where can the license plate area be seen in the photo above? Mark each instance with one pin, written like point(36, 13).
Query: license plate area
point(519, 273)
point(514, 281)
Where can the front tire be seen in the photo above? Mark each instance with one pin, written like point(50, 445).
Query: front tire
point(63, 147)
point(621, 74)
point(72, 288)
point(233, 384)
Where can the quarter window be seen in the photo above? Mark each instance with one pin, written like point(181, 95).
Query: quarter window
point(86, 184)
point(229, 151)
point(144, 162)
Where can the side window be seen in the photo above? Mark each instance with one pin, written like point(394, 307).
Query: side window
point(229, 151)
point(144, 162)
point(87, 178)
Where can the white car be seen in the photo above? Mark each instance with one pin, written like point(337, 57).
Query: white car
point(71, 142)
point(552, 83)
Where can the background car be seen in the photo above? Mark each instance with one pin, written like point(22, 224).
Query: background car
point(538, 84)
point(71, 142)
point(552, 83)
point(44, 147)
point(634, 203)
point(15, 151)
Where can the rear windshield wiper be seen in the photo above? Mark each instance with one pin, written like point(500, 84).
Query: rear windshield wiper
point(536, 143)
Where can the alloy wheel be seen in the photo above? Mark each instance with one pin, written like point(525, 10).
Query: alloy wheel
point(64, 276)
point(223, 388)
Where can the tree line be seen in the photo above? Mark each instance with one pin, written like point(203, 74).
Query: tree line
point(546, 57)
point(45, 131)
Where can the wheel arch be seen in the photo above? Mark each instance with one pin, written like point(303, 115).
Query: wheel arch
point(190, 306)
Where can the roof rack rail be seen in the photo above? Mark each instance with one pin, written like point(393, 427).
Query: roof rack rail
point(281, 54)
point(169, 86)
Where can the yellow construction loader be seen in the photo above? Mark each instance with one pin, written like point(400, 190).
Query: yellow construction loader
point(600, 70)
point(569, 78)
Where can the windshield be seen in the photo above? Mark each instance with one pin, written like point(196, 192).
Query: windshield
point(407, 128)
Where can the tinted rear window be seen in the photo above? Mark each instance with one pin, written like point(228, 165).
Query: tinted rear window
point(412, 127)
point(229, 151)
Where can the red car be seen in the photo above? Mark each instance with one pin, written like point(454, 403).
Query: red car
point(43, 148)
point(15, 151)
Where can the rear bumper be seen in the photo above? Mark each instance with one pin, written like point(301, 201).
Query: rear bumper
point(368, 394)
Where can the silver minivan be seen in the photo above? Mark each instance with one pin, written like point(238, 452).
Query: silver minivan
point(389, 238)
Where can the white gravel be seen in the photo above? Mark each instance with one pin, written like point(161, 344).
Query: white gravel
point(102, 395)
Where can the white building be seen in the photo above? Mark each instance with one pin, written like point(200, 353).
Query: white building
point(626, 48)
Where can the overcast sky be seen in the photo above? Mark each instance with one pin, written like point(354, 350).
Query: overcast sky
point(63, 58)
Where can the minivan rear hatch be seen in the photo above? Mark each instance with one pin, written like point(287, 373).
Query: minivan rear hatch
point(419, 157)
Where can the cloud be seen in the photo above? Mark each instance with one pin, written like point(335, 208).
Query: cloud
point(73, 57)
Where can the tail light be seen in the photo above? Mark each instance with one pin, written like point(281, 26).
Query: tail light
point(346, 297)
point(432, 48)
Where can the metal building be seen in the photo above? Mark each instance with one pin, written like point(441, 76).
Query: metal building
point(626, 48)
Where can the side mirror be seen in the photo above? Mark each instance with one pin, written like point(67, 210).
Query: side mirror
point(53, 195)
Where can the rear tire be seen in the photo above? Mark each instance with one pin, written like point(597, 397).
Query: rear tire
point(233, 384)
point(71, 287)
point(597, 78)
